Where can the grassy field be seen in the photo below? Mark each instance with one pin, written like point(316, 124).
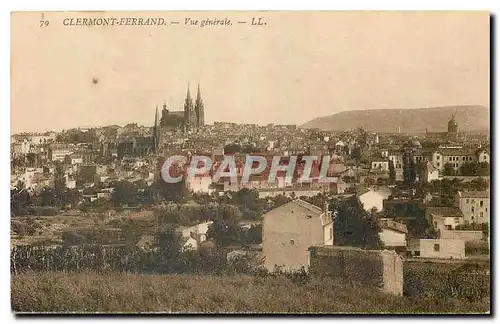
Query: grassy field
point(130, 293)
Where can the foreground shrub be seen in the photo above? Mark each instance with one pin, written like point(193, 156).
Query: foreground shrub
point(468, 281)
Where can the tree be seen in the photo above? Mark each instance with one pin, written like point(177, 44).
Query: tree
point(232, 148)
point(48, 197)
point(129, 232)
point(409, 168)
point(479, 184)
point(362, 137)
point(31, 159)
point(483, 169)
point(70, 197)
point(356, 153)
point(225, 229)
point(279, 200)
point(413, 170)
point(348, 179)
point(317, 200)
point(59, 183)
point(19, 228)
point(251, 206)
point(254, 235)
point(225, 232)
point(72, 238)
point(85, 206)
point(169, 242)
point(369, 181)
point(125, 193)
point(468, 169)
point(146, 196)
point(392, 173)
point(171, 191)
point(19, 200)
point(475, 169)
point(354, 226)
point(448, 170)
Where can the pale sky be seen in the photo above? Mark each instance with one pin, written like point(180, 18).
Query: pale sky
point(302, 65)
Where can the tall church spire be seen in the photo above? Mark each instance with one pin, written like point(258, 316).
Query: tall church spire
point(156, 116)
point(198, 93)
point(199, 109)
point(188, 95)
point(189, 114)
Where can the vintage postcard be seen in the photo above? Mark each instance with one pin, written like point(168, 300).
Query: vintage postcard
point(250, 162)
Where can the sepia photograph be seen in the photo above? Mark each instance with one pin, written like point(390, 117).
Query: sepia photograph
point(250, 162)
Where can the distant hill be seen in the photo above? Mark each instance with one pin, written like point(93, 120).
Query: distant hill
point(435, 119)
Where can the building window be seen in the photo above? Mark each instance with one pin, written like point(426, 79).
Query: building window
point(457, 220)
point(463, 158)
point(437, 157)
point(436, 247)
point(481, 214)
point(448, 227)
point(481, 203)
point(438, 164)
point(467, 200)
point(331, 233)
point(472, 209)
point(292, 242)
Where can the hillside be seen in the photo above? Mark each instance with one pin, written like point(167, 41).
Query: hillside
point(469, 118)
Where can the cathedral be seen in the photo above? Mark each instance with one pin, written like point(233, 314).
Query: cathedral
point(190, 118)
point(452, 135)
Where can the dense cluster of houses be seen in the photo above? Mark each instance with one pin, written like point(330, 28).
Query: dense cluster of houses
point(360, 164)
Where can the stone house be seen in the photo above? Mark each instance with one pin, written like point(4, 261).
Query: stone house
point(444, 218)
point(475, 206)
point(371, 199)
point(290, 230)
point(393, 233)
point(442, 248)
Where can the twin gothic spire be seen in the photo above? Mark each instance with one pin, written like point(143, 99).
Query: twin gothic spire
point(194, 114)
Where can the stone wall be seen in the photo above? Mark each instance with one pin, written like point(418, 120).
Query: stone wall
point(381, 269)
